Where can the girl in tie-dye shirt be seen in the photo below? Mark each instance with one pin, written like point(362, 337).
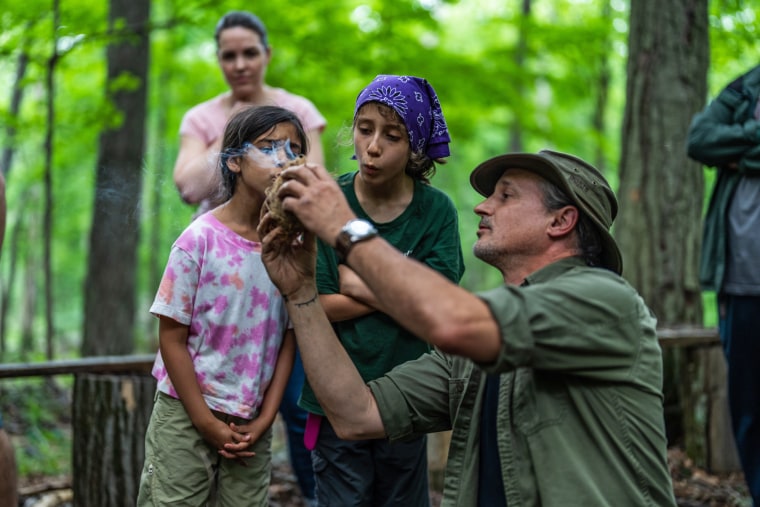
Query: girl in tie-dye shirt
point(225, 345)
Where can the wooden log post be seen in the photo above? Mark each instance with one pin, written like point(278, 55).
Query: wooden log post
point(708, 438)
point(110, 414)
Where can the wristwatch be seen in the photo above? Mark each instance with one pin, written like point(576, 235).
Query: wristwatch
point(353, 232)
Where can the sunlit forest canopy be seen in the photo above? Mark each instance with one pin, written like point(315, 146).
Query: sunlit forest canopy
point(508, 77)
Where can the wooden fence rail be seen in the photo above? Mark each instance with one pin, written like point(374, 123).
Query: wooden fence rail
point(142, 363)
point(703, 397)
point(111, 404)
point(686, 336)
point(98, 364)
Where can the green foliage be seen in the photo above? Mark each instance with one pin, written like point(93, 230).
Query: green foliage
point(36, 415)
point(469, 50)
point(326, 51)
point(734, 38)
point(44, 452)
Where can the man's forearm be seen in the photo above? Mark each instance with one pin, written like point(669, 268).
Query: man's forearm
point(342, 393)
point(425, 302)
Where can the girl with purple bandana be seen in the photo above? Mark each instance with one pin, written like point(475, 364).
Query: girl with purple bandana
point(399, 133)
point(226, 347)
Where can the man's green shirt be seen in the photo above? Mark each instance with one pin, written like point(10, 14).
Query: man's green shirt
point(580, 416)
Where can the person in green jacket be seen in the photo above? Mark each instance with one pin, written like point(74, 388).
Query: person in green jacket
point(726, 136)
point(551, 382)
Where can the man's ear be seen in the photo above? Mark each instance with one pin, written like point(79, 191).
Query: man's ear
point(564, 221)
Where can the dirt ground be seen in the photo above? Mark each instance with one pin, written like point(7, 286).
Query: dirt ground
point(693, 487)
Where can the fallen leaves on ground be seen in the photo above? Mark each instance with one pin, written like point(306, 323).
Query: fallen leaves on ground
point(693, 487)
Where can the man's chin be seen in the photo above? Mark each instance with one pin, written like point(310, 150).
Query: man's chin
point(484, 253)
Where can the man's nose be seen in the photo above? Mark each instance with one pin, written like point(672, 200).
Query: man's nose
point(481, 209)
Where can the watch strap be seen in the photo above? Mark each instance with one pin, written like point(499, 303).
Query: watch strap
point(348, 237)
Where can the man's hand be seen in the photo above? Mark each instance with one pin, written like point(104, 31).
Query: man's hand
point(313, 195)
point(291, 264)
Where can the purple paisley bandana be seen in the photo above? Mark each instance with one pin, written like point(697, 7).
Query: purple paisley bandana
point(416, 102)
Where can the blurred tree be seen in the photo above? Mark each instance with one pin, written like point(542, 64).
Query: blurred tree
point(5, 164)
point(553, 95)
point(47, 212)
point(108, 462)
point(515, 130)
point(109, 312)
point(659, 225)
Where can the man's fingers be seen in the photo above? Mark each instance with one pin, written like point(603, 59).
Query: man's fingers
point(290, 188)
point(305, 173)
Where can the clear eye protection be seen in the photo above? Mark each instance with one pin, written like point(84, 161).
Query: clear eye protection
point(277, 153)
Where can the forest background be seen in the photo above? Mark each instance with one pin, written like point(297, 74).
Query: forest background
point(511, 76)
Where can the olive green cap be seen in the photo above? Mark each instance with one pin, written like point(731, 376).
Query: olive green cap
point(581, 181)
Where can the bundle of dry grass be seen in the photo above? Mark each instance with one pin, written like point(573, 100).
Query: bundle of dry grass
point(291, 226)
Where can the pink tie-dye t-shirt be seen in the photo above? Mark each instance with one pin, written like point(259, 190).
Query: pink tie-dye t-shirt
point(216, 283)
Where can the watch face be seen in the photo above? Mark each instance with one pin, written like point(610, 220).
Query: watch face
point(360, 227)
point(353, 232)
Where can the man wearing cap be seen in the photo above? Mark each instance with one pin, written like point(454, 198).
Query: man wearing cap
point(551, 382)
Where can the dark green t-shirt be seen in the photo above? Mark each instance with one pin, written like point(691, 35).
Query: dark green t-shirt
point(428, 230)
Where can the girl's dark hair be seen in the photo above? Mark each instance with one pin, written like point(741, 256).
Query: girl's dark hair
point(589, 241)
point(244, 128)
point(420, 166)
point(242, 19)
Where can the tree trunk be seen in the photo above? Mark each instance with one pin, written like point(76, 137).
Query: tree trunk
point(47, 217)
point(29, 306)
point(515, 129)
point(17, 92)
point(659, 227)
point(110, 286)
point(13, 247)
point(110, 415)
point(661, 197)
point(707, 423)
point(602, 96)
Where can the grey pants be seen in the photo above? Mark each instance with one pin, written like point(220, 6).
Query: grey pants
point(370, 473)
